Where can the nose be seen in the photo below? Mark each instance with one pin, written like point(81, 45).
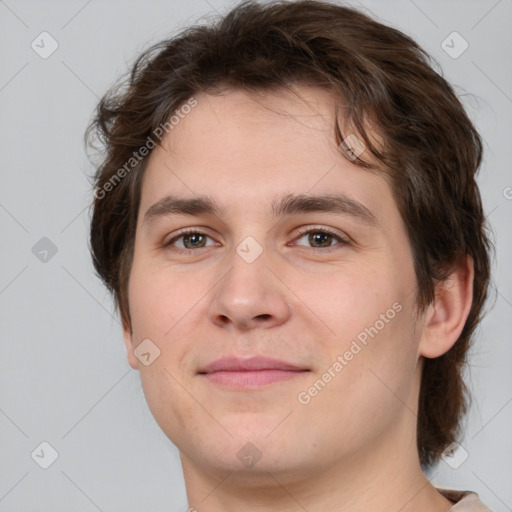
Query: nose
point(249, 296)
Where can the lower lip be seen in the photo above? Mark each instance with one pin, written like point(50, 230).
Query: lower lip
point(251, 379)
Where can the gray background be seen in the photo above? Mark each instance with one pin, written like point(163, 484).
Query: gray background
point(64, 377)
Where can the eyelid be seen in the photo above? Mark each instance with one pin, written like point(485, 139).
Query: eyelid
point(344, 239)
point(185, 231)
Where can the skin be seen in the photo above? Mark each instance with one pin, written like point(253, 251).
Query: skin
point(353, 446)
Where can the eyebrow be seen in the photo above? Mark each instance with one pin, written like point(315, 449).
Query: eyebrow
point(331, 203)
point(291, 204)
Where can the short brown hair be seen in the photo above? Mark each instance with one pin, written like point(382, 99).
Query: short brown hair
point(430, 150)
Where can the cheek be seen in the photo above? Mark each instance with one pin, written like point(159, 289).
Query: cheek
point(159, 300)
point(374, 385)
point(370, 318)
point(347, 301)
point(168, 400)
point(161, 308)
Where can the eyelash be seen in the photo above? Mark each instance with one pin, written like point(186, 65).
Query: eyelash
point(318, 229)
point(302, 233)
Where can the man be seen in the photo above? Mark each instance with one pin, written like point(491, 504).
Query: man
point(288, 218)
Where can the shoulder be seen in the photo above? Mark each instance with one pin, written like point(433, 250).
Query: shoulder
point(465, 501)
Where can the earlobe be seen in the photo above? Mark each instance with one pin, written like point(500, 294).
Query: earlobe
point(446, 316)
point(128, 343)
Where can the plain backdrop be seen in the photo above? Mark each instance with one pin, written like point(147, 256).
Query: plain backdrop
point(64, 377)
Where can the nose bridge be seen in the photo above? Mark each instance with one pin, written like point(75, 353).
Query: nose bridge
point(249, 294)
point(248, 268)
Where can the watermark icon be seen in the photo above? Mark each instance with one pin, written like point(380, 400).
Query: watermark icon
point(44, 455)
point(249, 249)
point(146, 352)
point(507, 192)
point(304, 397)
point(151, 142)
point(454, 45)
point(249, 454)
point(455, 455)
point(44, 249)
point(351, 147)
point(44, 45)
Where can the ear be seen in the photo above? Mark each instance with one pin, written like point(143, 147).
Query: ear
point(128, 343)
point(446, 316)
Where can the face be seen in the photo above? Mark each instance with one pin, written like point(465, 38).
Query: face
point(278, 332)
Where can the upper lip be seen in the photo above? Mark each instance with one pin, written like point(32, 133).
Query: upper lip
point(233, 364)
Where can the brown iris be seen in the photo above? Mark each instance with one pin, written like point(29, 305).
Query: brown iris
point(323, 239)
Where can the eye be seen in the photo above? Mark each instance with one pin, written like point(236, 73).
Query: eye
point(189, 240)
point(320, 238)
point(316, 238)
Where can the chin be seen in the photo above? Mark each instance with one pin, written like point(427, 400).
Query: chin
point(247, 453)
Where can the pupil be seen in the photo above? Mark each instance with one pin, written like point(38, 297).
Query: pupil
point(195, 240)
point(322, 239)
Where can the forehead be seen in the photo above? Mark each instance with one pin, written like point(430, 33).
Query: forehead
point(236, 121)
point(254, 148)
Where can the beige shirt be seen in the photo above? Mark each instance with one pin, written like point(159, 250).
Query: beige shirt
point(466, 501)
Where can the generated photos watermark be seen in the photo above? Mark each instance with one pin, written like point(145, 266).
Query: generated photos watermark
point(305, 397)
point(151, 142)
